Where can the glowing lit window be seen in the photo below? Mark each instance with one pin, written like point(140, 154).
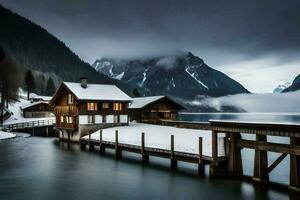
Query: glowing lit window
point(70, 99)
point(92, 106)
point(61, 119)
point(117, 106)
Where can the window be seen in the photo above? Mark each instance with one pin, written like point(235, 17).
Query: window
point(92, 106)
point(70, 99)
point(105, 105)
point(117, 106)
point(91, 119)
point(167, 115)
point(116, 119)
point(61, 119)
point(70, 120)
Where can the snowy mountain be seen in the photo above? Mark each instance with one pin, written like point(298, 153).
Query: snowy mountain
point(295, 85)
point(180, 75)
point(281, 87)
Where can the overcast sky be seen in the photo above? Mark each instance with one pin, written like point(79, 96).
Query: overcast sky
point(256, 42)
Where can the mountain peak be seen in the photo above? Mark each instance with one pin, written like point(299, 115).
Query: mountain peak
point(182, 75)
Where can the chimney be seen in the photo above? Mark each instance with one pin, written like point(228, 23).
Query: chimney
point(83, 82)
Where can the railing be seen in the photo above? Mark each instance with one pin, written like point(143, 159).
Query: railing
point(31, 124)
point(66, 110)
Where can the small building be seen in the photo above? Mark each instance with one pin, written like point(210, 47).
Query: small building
point(82, 108)
point(38, 109)
point(154, 108)
point(35, 98)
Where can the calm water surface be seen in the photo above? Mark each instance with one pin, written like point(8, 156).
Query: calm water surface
point(43, 168)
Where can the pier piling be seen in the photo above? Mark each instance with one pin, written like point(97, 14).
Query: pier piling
point(200, 161)
point(118, 151)
point(173, 160)
point(145, 157)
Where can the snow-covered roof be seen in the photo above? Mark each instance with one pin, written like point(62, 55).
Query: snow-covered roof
point(98, 92)
point(32, 104)
point(141, 102)
point(43, 98)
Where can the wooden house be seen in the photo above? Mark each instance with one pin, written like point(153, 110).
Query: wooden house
point(37, 110)
point(36, 98)
point(82, 108)
point(154, 108)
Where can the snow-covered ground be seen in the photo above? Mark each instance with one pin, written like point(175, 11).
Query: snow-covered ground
point(17, 117)
point(186, 140)
point(6, 135)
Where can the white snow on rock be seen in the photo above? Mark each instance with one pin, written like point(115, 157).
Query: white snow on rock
point(6, 135)
point(191, 71)
point(144, 77)
point(119, 76)
point(156, 136)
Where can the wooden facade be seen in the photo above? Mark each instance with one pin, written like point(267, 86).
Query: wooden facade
point(38, 110)
point(161, 109)
point(74, 115)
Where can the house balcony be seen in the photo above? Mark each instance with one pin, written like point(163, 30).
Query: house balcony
point(66, 111)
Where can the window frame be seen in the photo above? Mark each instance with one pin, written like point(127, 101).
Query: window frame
point(105, 105)
point(91, 106)
point(70, 99)
point(117, 106)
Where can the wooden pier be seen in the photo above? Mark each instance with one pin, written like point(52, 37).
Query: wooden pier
point(234, 142)
point(46, 126)
point(145, 152)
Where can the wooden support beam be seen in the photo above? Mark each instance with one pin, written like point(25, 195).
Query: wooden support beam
point(261, 162)
point(118, 151)
point(102, 148)
point(47, 131)
point(32, 131)
point(145, 157)
point(295, 167)
point(276, 162)
point(235, 165)
point(214, 140)
point(69, 137)
point(173, 160)
point(200, 159)
point(269, 146)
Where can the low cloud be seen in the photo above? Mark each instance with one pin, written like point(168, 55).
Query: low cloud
point(271, 103)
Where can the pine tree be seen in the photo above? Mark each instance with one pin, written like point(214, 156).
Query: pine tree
point(10, 76)
point(50, 89)
point(30, 83)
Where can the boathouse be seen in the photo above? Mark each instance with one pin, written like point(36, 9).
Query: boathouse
point(82, 108)
point(37, 110)
point(154, 109)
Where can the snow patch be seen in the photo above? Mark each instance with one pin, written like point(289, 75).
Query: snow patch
point(156, 136)
point(192, 72)
point(6, 135)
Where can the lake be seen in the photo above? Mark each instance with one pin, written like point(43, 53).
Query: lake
point(43, 168)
